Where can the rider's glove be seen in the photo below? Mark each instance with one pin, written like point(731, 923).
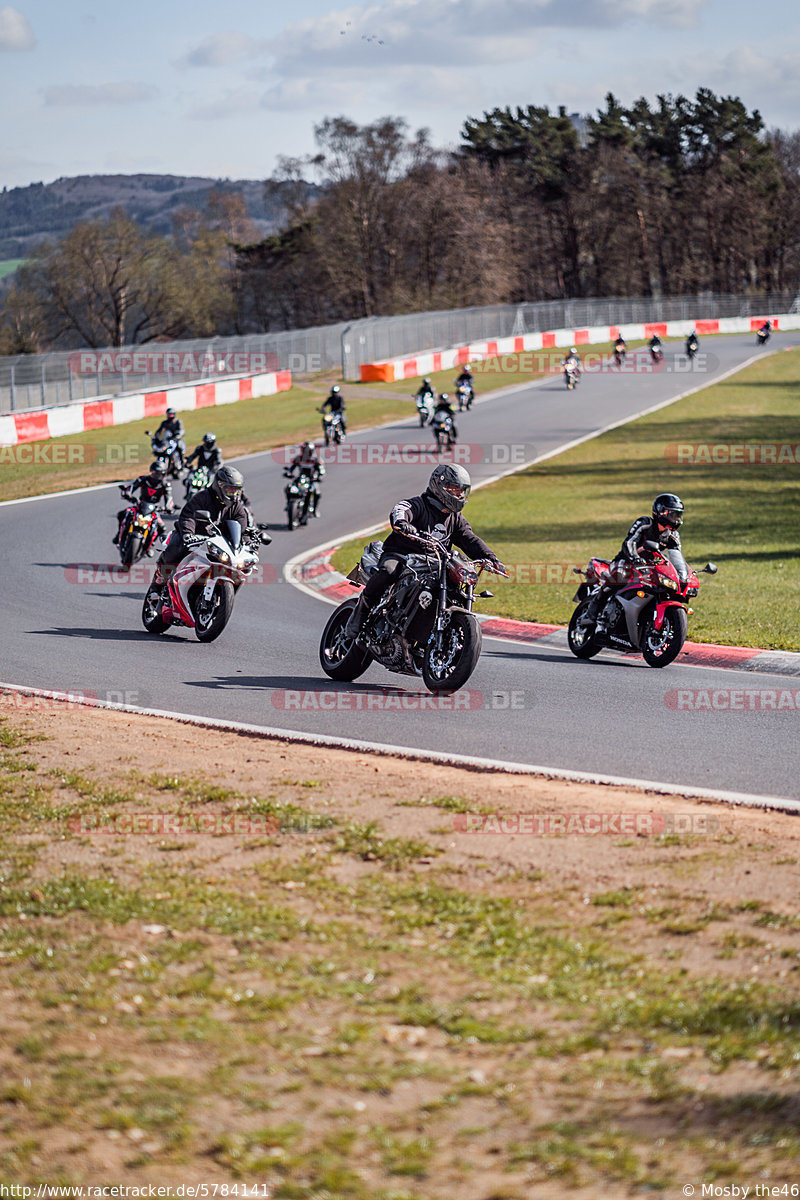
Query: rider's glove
point(192, 539)
point(404, 527)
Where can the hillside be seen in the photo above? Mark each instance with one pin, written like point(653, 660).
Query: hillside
point(49, 210)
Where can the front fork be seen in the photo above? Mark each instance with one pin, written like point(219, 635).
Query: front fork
point(661, 609)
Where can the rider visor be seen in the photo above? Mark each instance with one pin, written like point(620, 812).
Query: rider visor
point(231, 491)
point(457, 491)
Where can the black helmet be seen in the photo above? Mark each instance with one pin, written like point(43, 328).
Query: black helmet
point(170, 412)
point(157, 468)
point(450, 484)
point(209, 439)
point(668, 510)
point(228, 484)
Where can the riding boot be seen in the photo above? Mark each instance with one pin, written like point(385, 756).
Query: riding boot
point(357, 617)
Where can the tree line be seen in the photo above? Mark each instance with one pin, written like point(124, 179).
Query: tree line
point(666, 198)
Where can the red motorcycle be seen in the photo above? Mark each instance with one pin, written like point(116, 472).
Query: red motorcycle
point(140, 527)
point(647, 613)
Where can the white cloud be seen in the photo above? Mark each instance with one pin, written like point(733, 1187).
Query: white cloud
point(95, 95)
point(223, 49)
point(15, 31)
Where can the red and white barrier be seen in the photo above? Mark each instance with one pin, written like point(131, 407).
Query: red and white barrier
point(428, 361)
point(40, 423)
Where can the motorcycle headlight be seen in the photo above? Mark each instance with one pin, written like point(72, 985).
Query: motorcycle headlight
point(666, 582)
point(217, 555)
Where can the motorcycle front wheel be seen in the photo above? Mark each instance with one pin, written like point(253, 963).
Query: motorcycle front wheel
point(211, 616)
point(291, 513)
point(580, 638)
point(340, 657)
point(662, 646)
point(151, 611)
point(449, 669)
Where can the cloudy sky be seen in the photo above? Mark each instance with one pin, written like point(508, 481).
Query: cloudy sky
point(223, 89)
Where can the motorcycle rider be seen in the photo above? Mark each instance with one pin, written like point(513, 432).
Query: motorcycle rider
point(307, 462)
point(172, 427)
point(765, 330)
point(661, 526)
point(336, 404)
point(572, 362)
point(655, 345)
point(466, 377)
point(444, 409)
point(207, 453)
point(223, 499)
point(435, 514)
point(691, 343)
point(153, 488)
point(620, 346)
point(426, 389)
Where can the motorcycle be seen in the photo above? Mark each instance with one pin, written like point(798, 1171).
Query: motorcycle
point(647, 613)
point(424, 407)
point(140, 527)
point(619, 356)
point(443, 431)
point(656, 354)
point(692, 346)
point(202, 587)
point(423, 624)
point(197, 479)
point(167, 453)
point(572, 376)
point(763, 336)
point(302, 494)
point(332, 427)
point(465, 395)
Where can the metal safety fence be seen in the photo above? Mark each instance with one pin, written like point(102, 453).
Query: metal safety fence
point(64, 377)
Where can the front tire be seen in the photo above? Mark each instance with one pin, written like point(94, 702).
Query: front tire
point(151, 611)
point(340, 657)
point(581, 639)
point(291, 513)
point(461, 648)
point(211, 618)
point(661, 647)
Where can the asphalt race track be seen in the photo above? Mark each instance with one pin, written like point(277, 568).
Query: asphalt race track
point(82, 632)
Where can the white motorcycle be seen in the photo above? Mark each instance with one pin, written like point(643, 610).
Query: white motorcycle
point(425, 405)
point(202, 587)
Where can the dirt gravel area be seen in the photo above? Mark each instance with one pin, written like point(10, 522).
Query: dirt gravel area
point(225, 957)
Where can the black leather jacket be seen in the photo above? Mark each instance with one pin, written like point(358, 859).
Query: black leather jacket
point(208, 499)
point(429, 518)
point(645, 529)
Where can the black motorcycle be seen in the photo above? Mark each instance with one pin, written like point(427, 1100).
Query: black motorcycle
point(465, 395)
point(763, 336)
point(443, 427)
point(167, 453)
point(423, 624)
point(692, 346)
point(302, 498)
point(332, 428)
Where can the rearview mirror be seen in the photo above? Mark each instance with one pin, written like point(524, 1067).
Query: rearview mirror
point(203, 514)
point(710, 568)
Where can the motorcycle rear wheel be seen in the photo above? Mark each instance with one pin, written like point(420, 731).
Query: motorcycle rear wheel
point(340, 657)
point(210, 618)
point(661, 647)
point(450, 670)
point(151, 611)
point(581, 641)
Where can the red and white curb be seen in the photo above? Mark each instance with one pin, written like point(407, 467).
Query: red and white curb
point(315, 574)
